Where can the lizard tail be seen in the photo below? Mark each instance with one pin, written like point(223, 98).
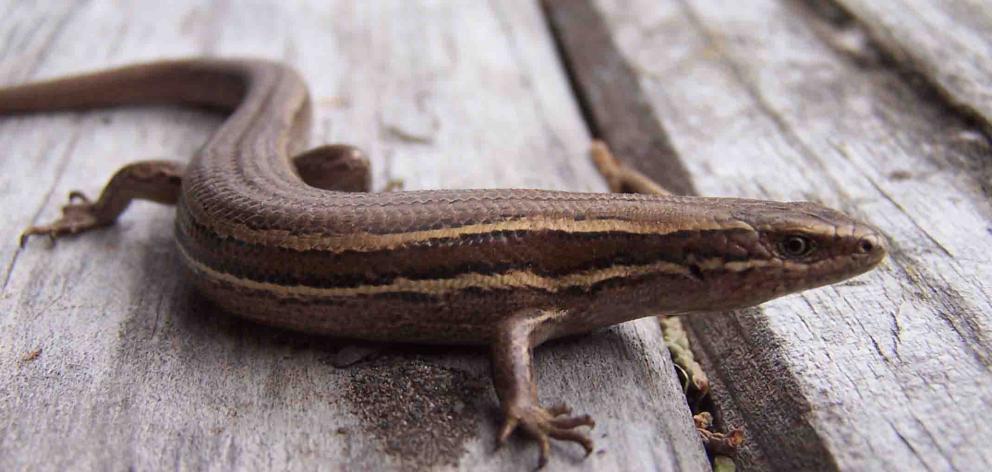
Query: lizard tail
point(209, 83)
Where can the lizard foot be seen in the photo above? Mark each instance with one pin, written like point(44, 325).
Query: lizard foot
point(543, 423)
point(76, 218)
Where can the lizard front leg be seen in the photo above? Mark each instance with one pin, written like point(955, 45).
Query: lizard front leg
point(157, 181)
point(513, 378)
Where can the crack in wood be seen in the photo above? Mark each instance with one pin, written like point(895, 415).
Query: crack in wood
point(889, 58)
point(610, 98)
point(790, 85)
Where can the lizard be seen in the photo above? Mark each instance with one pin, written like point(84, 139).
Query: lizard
point(293, 237)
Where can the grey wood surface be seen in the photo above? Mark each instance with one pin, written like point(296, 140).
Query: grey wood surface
point(109, 362)
point(947, 42)
point(890, 371)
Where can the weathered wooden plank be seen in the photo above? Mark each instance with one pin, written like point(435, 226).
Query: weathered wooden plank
point(615, 108)
point(948, 42)
point(108, 361)
point(887, 371)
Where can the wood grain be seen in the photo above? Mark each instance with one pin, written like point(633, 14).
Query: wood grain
point(612, 102)
point(108, 361)
point(947, 43)
point(886, 372)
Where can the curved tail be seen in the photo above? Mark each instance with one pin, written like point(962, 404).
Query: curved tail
point(212, 83)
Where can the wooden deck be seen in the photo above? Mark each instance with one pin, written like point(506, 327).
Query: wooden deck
point(108, 361)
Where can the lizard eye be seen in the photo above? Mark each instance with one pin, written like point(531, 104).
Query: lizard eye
point(796, 246)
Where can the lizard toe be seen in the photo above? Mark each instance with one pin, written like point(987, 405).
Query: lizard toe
point(577, 437)
point(573, 422)
point(541, 423)
point(76, 218)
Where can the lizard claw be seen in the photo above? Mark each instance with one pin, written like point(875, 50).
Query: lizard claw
point(508, 426)
point(543, 423)
point(76, 194)
point(76, 218)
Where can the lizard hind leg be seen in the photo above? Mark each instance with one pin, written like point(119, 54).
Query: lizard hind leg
point(157, 181)
point(513, 378)
point(335, 167)
point(619, 177)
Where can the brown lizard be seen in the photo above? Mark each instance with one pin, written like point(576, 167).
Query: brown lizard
point(294, 239)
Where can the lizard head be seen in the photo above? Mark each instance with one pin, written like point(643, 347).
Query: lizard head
point(785, 247)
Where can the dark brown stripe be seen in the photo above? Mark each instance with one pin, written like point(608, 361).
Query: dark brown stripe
point(545, 253)
point(486, 296)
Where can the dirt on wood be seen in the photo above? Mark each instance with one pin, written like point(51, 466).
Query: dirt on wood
point(422, 414)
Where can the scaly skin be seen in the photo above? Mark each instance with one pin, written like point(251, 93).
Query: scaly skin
point(299, 242)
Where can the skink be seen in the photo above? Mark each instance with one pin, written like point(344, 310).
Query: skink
point(294, 238)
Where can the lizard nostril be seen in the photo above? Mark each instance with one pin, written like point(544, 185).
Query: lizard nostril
point(865, 246)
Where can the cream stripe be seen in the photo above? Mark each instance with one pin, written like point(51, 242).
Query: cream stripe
point(367, 242)
point(506, 280)
point(510, 279)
